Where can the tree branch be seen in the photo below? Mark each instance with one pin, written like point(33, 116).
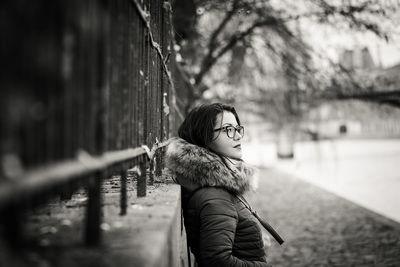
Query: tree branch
point(348, 12)
point(210, 61)
point(269, 17)
point(213, 39)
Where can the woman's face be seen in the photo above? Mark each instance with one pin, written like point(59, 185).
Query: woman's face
point(229, 147)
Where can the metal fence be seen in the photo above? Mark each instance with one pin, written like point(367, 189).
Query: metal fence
point(86, 84)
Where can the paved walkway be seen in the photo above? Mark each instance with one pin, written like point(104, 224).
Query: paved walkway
point(323, 229)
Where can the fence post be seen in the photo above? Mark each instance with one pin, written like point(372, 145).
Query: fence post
point(124, 198)
point(11, 217)
point(141, 181)
point(151, 171)
point(93, 210)
point(159, 162)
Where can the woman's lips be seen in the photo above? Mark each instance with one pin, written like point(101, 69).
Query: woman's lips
point(238, 147)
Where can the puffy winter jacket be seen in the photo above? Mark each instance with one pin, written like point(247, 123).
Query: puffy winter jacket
point(221, 231)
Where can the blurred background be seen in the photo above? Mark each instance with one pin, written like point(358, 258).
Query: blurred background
point(312, 69)
point(313, 81)
point(316, 84)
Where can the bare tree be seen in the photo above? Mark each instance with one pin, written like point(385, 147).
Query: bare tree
point(239, 22)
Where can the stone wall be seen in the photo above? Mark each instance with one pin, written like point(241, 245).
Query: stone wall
point(151, 234)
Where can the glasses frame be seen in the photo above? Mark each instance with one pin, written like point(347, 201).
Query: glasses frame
point(237, 130)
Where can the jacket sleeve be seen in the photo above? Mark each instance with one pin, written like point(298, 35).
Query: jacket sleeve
point(218, 221)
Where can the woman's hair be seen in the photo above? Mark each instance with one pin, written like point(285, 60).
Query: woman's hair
point(198, 126)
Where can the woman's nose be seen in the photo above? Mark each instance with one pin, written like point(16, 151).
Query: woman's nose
point(237, 136)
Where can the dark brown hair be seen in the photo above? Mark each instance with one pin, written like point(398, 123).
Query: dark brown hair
point(198, 126)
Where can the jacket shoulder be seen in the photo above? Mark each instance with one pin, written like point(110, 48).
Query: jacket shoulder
point(212, 193)
point(215, 200)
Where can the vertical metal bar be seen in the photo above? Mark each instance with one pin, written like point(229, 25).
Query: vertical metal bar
point(82, 86)
point(124, 198)
point(164, 85)
point(118, 82)
point(93, 210)
point(141, 182)
point(140, 86)
point(152, 75)
point(94, 80)
point(133, 73)
point(159, 73)
point(136, 73)
point(67, 55)
point(146, 84)
point(130, 75)
point(126, 73)
point(169, 121)
point(102, 91)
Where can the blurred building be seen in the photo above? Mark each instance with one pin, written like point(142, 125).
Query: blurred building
point(353, 118)
point(355, 59)
point(356, 118)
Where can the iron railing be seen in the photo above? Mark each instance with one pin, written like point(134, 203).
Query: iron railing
point(87, 89)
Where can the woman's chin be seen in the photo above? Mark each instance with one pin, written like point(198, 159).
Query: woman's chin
point(235, 155)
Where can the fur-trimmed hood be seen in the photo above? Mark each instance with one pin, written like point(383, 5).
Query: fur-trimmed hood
point(193, 166)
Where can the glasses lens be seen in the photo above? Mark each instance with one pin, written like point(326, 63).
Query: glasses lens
point(230, 131)
point(241, 130)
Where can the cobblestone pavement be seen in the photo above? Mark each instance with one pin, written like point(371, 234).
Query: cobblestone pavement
point(322, 229)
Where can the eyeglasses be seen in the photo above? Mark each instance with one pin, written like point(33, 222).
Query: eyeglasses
point(231, 130)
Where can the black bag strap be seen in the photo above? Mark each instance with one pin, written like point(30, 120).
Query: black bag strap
point(188, 255)
point(266, 225)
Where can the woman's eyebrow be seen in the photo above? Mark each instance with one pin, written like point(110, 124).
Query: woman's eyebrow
point(228, 124)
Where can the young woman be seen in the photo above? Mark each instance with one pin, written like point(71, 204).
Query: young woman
point(206, 162)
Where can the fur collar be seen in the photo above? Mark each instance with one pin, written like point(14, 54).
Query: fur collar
point(193, 167)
